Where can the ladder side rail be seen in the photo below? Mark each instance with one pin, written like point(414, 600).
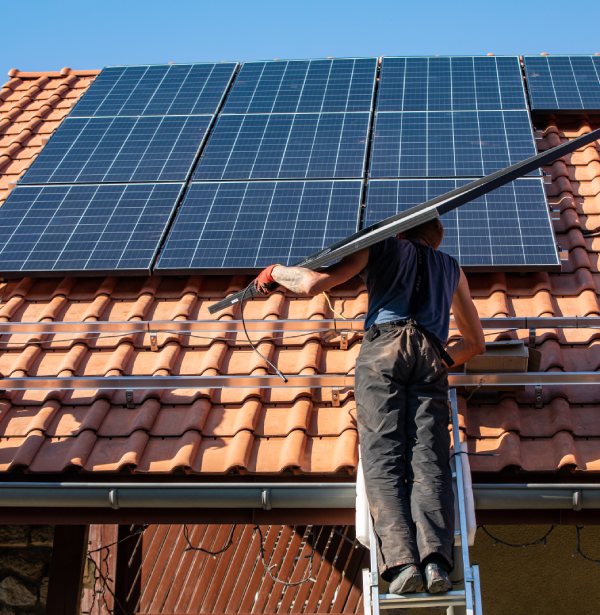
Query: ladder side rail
point(460, 487)
point(374, 569)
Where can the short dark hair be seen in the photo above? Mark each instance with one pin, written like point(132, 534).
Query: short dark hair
point(431, 231)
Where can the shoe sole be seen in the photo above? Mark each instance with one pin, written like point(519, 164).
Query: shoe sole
point(439, 586)
point(412, 585)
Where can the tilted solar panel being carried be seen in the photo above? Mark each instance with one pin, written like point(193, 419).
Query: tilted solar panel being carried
point(450, 84)
point(508, 228)
point(303, 86)
point(174, 89)
point(563, 83)
point(290, 146)
point(95, 229)
point(449, 144)
point(245, 225)
point(120, 149)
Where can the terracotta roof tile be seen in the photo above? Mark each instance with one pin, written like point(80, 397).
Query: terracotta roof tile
point(285, 429)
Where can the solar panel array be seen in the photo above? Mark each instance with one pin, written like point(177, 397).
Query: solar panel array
point(563, 83)
point(456, 119)
point(102, 192)
point(509, 227)
point(306, 121)
point(198, 167)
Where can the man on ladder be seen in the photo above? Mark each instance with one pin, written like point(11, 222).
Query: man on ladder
point(401, 391)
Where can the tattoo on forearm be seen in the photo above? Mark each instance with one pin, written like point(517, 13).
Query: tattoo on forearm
point(291, 277)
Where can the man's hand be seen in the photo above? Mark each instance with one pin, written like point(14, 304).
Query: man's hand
point(265, 283)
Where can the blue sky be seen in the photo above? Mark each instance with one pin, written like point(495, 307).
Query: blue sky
point(50, 34)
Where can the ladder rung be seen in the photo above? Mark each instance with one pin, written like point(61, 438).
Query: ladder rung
point(451, 598)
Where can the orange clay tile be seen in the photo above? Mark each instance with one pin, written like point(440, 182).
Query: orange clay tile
point(283, 430)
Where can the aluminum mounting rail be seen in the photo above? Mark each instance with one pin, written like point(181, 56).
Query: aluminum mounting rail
point(314, 381)
point(422, 213)
point(183, 327)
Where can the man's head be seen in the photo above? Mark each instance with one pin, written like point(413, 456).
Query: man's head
point(431, 232)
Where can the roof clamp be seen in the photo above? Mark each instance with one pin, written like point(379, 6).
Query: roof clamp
point(335, 397)
point(129, 399)
point(531, 342)
point(153, 341)
point(539, 404)
point(343, 340)
point(577, 500)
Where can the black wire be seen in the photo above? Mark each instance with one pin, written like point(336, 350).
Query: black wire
point(118, 542)
point(578, 529)
point(191, 547)
point(258, 352)
point(307, 579)
point(539, 541)
point(469, 454)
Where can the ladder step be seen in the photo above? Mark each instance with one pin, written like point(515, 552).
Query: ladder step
point(451, 598)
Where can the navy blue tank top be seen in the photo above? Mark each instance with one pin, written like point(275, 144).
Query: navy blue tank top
point(390, 277)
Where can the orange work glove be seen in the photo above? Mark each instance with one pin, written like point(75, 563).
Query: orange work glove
point(265, 283)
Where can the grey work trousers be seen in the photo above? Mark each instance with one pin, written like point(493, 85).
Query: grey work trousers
point(401, 394)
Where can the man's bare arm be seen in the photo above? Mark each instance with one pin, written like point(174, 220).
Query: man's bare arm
point(468, 323)
point(308, 282)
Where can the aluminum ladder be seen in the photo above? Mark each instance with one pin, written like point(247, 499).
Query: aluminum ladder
point(465, 597)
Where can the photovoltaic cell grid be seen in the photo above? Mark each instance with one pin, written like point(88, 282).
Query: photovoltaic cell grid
point(245, 225)
point(177, 89)
point(450, 84)
point(508, 228)
point(303, 86)
point(291, 146)
point(563, 82)
point(449, 144)
point(99, 228)
point(120, 149)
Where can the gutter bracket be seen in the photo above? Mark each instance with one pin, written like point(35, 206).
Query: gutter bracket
point(265, 499)
point(577, 500)
point(113, 499)
point(539, 404)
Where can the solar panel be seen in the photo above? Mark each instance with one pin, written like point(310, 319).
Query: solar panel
point(509, 227)
point(450, 84)
point(303, 86)
point(121, 149)
point(245, 225)
point(449, 144)
point(290, 146)
point(563, 82)
point(176, 89)
point(84, 228)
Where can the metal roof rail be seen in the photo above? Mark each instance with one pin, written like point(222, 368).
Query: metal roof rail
point(182, 327)
point(313, 381)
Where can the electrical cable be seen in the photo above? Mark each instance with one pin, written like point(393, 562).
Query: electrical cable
point(191, 547)
point(256, 350)
point(538, 541)
point(579, 551)
point(307, 579)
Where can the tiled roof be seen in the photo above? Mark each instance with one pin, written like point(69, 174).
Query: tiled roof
point(32, 105)
point(286, 429)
